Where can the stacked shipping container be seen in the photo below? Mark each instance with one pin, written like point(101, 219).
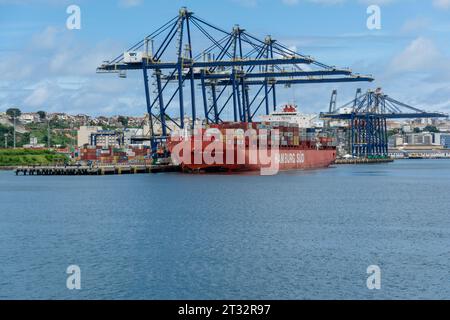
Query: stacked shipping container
point(114, 155)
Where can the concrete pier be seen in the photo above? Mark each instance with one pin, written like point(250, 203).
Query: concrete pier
point(93, 170)
point(362, 161)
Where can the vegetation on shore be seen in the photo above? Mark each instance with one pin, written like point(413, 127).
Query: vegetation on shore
point(58, 136)
point(24, 157)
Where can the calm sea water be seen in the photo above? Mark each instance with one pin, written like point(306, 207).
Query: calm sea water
point(297, 235)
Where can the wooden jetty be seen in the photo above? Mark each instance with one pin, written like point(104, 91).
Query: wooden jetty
point(93, 170)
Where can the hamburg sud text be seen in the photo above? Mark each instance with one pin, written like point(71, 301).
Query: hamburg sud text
point(221, 149)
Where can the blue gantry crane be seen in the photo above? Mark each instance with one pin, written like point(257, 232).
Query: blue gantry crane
point(224, 65)
point(367, 115)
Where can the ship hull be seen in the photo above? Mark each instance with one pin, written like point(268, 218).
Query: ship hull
point(280, 160)
point(234, 147)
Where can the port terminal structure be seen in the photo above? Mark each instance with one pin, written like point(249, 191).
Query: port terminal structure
point(224, 66)
point(56, 170)
point(367, 115)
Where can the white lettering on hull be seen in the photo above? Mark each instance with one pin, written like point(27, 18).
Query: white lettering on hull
point(290, 158)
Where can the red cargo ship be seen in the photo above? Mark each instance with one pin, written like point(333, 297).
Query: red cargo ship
point(273, 147)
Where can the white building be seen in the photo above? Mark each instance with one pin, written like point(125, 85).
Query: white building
point(28, 118)
point(130, 133)
point(84, 134)
point(423, 138)
point(106, 138)
point(407, 129)
point(33, 144)
point(58, 116)
point(436, 139)
point(396, 141)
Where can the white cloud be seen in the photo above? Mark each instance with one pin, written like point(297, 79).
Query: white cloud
point(442, 4)
point(34, 2)
point(130, 3)
point(247, 3)
point(418, 75)
point(333, 2)
point(326, 2)
point(9, 70)
point(377, 2)
point(38, 97)
point(46, 39)
point(420, 55)
point(60, 76)
point(290, 2)
point(417, 24)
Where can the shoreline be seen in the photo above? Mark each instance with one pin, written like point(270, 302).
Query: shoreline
point(11, 168)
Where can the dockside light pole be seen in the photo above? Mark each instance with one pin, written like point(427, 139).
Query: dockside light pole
point(6, 140)
point(14, 133)
point(48, 133)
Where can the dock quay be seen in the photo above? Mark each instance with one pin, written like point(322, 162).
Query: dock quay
point(93, 170)
point(363, 161)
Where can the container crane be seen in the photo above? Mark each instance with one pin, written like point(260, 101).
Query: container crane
point(367, 115)
point(226, 67)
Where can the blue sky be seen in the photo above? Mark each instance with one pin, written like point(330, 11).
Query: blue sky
point(45, 66)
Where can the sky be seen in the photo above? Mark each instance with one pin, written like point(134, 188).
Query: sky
point(45, 66)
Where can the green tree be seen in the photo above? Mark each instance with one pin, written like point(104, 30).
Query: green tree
point(393, 132)
point(42, 115)
point(416, 130)
point(431, 129)
point(5, 131)
point(123, 120)
point(13, 112)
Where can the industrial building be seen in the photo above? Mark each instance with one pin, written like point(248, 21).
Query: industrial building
point(84, 134)
point(96, 136)
point(106, 138)
point(422, 139)
point(445, 140)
